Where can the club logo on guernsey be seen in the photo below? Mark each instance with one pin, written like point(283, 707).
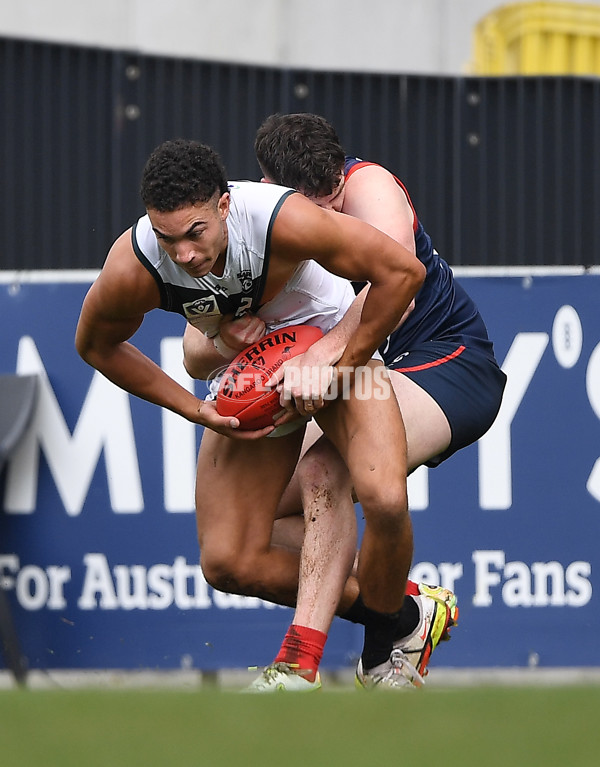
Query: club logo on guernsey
point(245, 278)
point(201, 306)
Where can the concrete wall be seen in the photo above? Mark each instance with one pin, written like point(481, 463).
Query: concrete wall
point(408, 36)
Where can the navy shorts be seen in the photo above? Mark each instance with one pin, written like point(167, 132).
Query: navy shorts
point(466, 383)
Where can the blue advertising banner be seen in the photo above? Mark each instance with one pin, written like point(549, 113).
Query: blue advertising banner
point(98, 549)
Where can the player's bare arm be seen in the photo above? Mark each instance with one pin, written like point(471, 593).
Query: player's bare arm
point(331, 347)
point(373, 195)
point(200, 358)
point(112, 312)
point(204, 357)
point(355, 250)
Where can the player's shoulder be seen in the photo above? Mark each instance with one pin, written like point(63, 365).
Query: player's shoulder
point(123, 264)
point(254, 206)
point(124, 285)
point(366, 179)
point(256, 192)
point(122, 247)
point(364, 172)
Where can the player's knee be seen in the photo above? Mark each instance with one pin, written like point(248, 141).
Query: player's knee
point(230, 571)
point(323, 470)
point(221, 569)
point(217, 570)
point(386, 508)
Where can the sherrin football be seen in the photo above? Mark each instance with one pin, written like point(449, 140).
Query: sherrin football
point(242, 393)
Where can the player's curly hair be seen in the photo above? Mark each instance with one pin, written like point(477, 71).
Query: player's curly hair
point(181, 172)
point(301, 151)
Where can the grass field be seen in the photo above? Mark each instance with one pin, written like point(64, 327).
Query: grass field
point(486, 726)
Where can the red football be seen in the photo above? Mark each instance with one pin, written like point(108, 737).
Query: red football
point(242, 392)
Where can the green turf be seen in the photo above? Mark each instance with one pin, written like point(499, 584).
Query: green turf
point(174, 728)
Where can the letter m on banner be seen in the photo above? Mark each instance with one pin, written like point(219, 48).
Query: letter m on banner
point(104, 424)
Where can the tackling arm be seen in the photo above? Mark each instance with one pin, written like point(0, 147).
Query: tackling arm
point(357, 251)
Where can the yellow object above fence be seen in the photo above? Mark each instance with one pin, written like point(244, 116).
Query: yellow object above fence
point(540, 38)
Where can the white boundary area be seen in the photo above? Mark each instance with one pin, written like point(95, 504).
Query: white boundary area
point(237, 679)
point(50, 276)
point(37, 277)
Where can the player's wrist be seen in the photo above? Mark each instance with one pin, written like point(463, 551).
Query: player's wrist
point(227, 352)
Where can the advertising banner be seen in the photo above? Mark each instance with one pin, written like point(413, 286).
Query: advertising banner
point(98, 549)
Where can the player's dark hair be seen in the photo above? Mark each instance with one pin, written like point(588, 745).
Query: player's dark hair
point(181, 172)
point(301, 151)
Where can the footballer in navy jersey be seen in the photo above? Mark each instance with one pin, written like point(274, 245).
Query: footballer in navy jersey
point(443, 344)
point(442, 308)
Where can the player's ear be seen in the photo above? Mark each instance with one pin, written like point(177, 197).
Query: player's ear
point(223, 205)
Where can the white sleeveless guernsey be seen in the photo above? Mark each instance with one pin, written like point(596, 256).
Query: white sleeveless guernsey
point(312, 296)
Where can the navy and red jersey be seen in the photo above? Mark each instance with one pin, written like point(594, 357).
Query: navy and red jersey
point(443, 310)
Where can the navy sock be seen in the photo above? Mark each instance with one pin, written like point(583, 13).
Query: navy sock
point(380, 632)
point(408, 616)
point(356, 613)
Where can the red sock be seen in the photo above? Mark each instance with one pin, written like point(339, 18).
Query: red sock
point(412, 589)
point(303, 648)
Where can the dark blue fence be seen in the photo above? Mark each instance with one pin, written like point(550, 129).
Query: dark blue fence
point(503, 171)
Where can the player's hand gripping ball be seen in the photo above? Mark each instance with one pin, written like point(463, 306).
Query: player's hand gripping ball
point(242, 393)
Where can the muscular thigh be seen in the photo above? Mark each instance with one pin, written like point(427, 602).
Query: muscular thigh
point(427, 429)
point(369, 433)
point(239, 485)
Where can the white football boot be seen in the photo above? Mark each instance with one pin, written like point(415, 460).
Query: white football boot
point(397, 672)
point(438, 613)
point(283, 677)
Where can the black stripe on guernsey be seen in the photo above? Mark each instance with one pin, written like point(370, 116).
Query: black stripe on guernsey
point(165, 303)
point(265, 270)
